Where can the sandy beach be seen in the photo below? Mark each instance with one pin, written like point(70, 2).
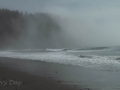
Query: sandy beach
point(33, 75)
point(20, 74)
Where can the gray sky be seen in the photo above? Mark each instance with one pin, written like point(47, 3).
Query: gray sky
point(97, 21)
point(38, 5)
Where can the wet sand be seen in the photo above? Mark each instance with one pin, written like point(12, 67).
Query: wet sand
point(39, 75)
point(17, 74)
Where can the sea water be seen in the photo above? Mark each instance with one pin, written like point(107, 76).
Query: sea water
point(102, 58)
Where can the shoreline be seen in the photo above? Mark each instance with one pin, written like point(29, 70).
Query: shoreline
point(45, 76)
point(13, 76)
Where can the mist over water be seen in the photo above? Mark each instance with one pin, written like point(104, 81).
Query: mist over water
point(39, 30)
point(67, 25)
point(88, 28)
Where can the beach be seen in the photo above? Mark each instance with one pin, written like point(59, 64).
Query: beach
point(25, 74)
point(17, 74)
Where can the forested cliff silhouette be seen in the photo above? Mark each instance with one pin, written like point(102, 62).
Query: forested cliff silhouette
point(27, 30)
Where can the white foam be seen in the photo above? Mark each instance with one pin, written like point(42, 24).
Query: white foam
point(97, 62)
point(54, 50)
point(87, 50)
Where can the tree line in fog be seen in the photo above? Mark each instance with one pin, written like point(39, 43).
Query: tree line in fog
point(27, 30)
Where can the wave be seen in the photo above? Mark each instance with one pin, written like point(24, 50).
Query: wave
point(55, 50)
point(95, 48)
point(95, 62)
point(83, 56)
point(40, 50)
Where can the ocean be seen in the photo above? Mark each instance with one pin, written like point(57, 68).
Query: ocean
point(100, 58)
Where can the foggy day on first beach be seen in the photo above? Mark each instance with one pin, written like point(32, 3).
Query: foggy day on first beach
point(59, 45)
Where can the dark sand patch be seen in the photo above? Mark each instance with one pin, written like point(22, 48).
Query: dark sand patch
point(29, 81)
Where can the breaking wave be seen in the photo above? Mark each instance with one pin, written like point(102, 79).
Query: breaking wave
point(62, 56)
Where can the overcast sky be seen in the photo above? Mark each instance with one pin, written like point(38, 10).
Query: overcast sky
point(101, 16)
point(38, 5)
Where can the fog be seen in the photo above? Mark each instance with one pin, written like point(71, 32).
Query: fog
point(97, 27)
point(83, 23)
